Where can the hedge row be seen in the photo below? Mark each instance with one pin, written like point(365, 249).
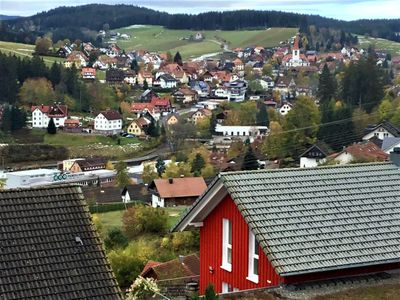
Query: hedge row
point(107, 207)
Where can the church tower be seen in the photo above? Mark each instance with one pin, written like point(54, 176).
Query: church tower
point(296, 50)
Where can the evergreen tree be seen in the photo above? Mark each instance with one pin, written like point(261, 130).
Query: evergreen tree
point(250, 160)
point(55, 74)
point(153, 130)
point(326, 85)
point(178, 59)
point(210, 293)
point(71, 80)
point(362, 83)
point(135, 66)
point(160, 166)
point(145, 85)
point(18, 118)
point(262, 115)
point(6, 121)
point(51, 127)
point(198, 164)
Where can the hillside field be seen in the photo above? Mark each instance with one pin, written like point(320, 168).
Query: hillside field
point(158, 38)
point(25, 50)
point(378, 43)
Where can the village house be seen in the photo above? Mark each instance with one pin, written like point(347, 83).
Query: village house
point(145, 76)
point(176, 191)
point(185, 95)
point(199, 36)
point(362, 152)
point(105, 62)
point(267, 228)
point(171, 119)
point(64, 51)
point(84, 164)
point(389, 143)
point(108, 122)
point(147, 95)
point(238, 65)
point(41, 115)
point(314, 156)
point(236, 90)
point(285, 108)
point(115, 76)
point(72, 125)
point(114, 194)
point(172, 276)
point(201, 87)
point(113, 50)
point(381, 131)
point(88, 73)
point(241, 131)
point(166, 81)
point(77, 58)
point(140, 108)
point(162, 104)
point(138, 127)
point(62, 240)
point(195, 116)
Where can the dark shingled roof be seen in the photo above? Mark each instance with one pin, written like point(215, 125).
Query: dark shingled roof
point(111, 115)
point(387, 125)
point(49, 248)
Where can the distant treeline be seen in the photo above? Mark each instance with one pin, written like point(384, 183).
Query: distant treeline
point(83, 22)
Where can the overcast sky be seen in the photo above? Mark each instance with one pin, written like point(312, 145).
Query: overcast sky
point(340, 9)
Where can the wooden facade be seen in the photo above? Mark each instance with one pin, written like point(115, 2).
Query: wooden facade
point(211, 271)
point(211, 252)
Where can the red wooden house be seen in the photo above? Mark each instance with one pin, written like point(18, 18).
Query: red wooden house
point(269, 227)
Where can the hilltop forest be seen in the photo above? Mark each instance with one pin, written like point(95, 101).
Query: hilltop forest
point(83, 22)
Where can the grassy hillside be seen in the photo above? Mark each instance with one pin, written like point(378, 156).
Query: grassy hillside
point(25, 50)
point(158, 38)
point(378, 43)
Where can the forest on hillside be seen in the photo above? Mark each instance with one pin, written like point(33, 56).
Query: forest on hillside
point(83, 22)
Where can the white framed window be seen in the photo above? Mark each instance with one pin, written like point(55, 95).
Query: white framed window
point(226, 287)
point(253, 258)
point(226, 245)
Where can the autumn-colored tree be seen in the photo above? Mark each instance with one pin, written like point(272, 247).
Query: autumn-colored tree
point(301, 126)
point(273, 144)
point(36, 91)
point(203, 128)
point(148, 174)
point(267, 70)
point(42, 45)
point(122, 179)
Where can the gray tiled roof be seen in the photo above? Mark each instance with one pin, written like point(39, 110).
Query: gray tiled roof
point(49, 248)
point(324, 218)
point(389, 142)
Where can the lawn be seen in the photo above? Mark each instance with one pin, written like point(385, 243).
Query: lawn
point(158, 38)
point(113, 219)
point(378, 43)
point(76, 140)
point(25, 50)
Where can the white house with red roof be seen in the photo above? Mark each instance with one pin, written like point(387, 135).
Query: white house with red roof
point(41, 115)
point(296, 59)
point(108, 122)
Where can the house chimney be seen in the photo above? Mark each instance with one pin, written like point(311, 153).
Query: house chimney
point(181, 258)
point(170, 180)
point(395, 156)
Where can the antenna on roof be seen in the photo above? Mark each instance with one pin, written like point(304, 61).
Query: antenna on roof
point(78, 240)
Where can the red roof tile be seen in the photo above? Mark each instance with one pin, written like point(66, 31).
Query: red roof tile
point(180, 187)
